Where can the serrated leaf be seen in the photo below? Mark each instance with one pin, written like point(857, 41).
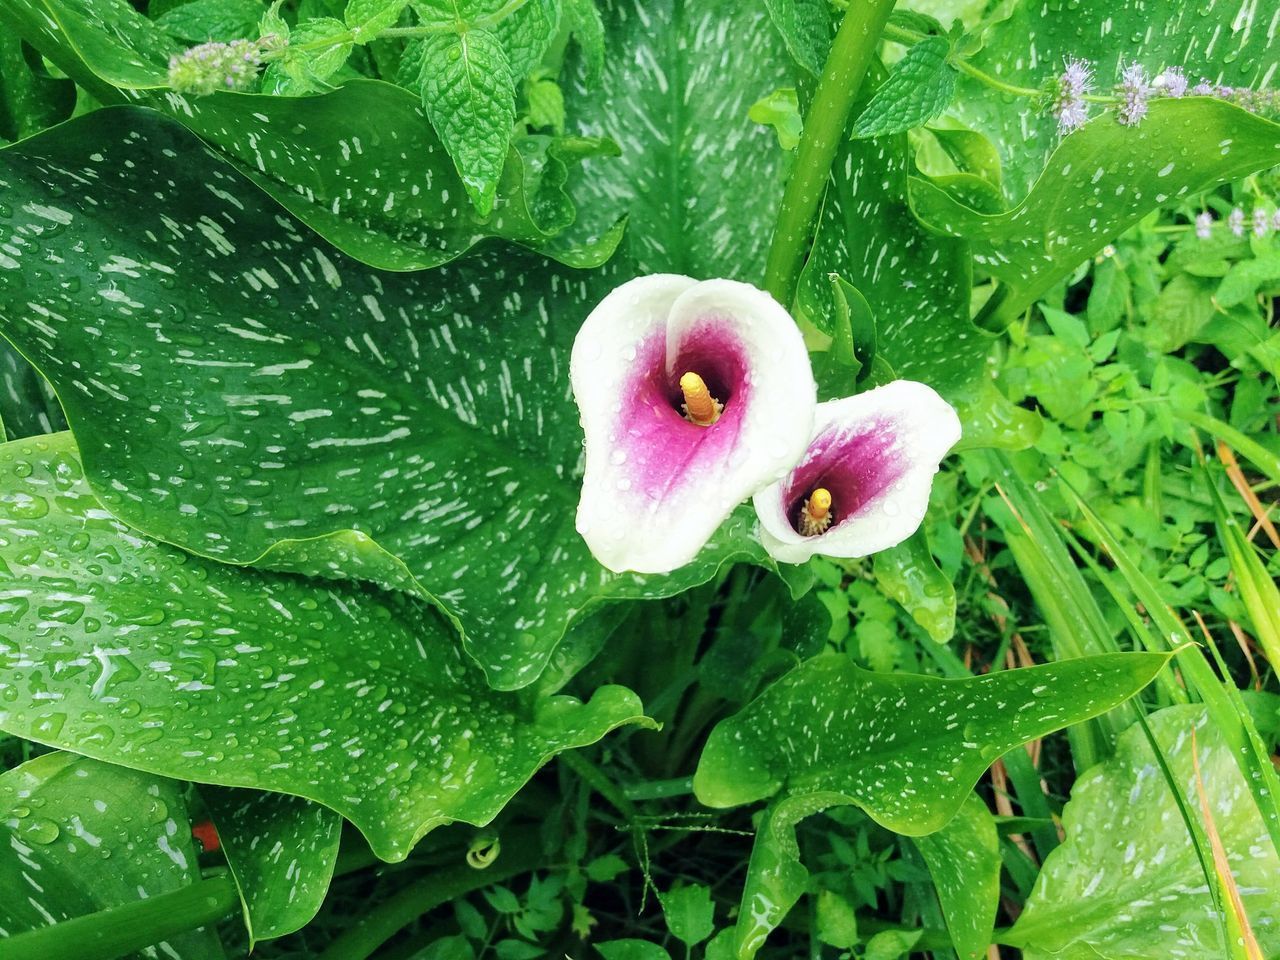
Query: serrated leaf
point(469, 95)
point(316, 50)
point(806, 28)
point(701, 181)
point(352, 698)
point(919, 87)
point(1099, 182)
point(203, 20)
point(906, 749)
point(436, 451)
point(526, 34)
point(1136, 889)
point(546, 104)
point(79, 836)
point(964, 861)
point(390, 201)
point(367, 18)
point(631, 950)
point(689, 912)
point(281, 851)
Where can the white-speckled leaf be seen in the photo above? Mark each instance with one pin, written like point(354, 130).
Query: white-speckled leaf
point(1099, 182)
point(242, 390)
point(1126, 884)
point(907, 749)
point(137, 653)
point(360, 165)
point(27, 403)
point(281, 850)
point(469, 94)
point(1224, 41)
point(78, 836)
point(917, 283)
point(701, 179)
point(964, 861)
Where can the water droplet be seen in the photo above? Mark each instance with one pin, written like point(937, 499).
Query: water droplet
point(40, 830)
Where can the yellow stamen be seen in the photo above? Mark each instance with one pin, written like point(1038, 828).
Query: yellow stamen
point(815, 515)
point(699, 406)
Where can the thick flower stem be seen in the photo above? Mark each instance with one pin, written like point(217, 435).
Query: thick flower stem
point(824, 125)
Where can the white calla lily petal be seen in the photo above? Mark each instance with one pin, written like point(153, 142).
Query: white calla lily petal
point(876, 454)
point(657, 486)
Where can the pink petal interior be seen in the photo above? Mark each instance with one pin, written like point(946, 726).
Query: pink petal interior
point(663, 453)
point(855, 463)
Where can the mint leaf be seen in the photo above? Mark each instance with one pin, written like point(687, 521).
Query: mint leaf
point(317, 50)
point(919, 88)
point(367, 18)
point(469, 95)
point(203, 20)
point(805, 26)
point(526, 34)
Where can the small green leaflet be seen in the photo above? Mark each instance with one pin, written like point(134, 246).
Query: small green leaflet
point(317, 49)
point(203, 20)
point(919, 88)
point(367, 17)
point(805, 26)
point(469, 94)
point(526, 34)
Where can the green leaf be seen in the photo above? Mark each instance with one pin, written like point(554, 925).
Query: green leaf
point(964, 860)
point(436, 451)
point(908, 574)
point(469, 94)
point(202, 20)
point(689, 912)
point(1230, 44)
point(806, 28)
point(355, 699)
point(916, 283)
point(906, 749)
point(702, 181)
point(526, 34)
point(582, 19)
point(919, 87)
point(317, 49)
point(29, 101)
point(81, 836)
point(780, 110)
point(367, 18)
point(546, 104)
point(281, 850)
point(27, 403)
point(631, 950)
point(835, 920)
point(891, 944)
point(1127, 883)
point(1099, 182)
point(391, 201)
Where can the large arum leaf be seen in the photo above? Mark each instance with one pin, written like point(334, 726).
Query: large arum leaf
point(964, 861)
point(281, 850)
point(137, 653)
point(1232, 43)
point(361, 165)
point(1098, 183)
point(78, 836)
point(253, 397)
point(27, 403)
point(907, 749)
point(916, 282)
point(1127, 884)
point(701, 180)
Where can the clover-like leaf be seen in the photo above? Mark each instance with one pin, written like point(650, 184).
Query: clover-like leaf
point(394, 200)
point(437, 450)
point(78, 836)
point(135, 652)
point(906, 749)
point(1136, 889)
point(1099, 182)
point(281, 850)
point(919, 87)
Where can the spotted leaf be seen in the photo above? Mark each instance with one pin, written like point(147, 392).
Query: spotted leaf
point(134, 652)
point(414, 430)
point(78, 836)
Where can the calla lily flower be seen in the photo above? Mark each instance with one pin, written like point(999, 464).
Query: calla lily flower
point(863, 484)
point(693, 396)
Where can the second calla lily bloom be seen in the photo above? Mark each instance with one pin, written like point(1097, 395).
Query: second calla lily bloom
point(693, 396)
point(863, 484)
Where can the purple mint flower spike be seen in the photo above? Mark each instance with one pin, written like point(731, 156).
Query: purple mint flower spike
point(1068, 106)
point(863, 483)
point(1204, 225)
point(693, 396)
point(215, 66)
point(1134, 91)
point(1275, 221)
point(1261, 222)
point(1172, 83)
point(1235, 222)
point(1203, 89)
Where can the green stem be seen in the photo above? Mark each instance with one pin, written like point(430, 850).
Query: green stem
point(599, 782)
point(520, 854)
point(131, 927)
point(658, 789)
point(824, 125)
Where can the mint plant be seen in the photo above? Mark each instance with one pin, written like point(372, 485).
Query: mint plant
point(533, 478)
